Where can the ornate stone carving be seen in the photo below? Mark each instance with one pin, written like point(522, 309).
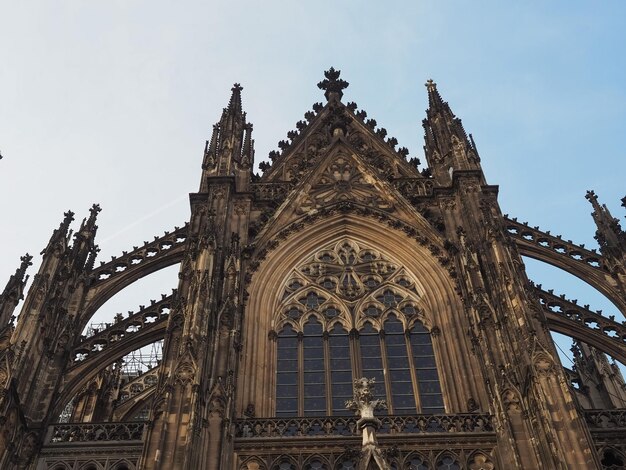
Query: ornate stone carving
point(343, 181)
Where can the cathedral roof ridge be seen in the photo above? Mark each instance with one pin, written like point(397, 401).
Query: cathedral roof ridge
point(337, 116)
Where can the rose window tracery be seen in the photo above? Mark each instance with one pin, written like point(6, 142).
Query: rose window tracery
point(348, 311)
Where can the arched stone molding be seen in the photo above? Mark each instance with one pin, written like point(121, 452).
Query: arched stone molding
point(91, 465)
point(100, 293)
point(83, 372)
point(587, 335)
point(253, 464)
point(596, 278)
point(128, 409)
point(442, 307)
point(480, 461)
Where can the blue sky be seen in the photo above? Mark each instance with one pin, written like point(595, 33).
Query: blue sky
point(111, 102)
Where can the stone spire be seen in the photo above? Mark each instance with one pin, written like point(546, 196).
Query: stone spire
point(13, 291)
point(364, 404)
point(610, 236)
point(447, 146)
point(231, 147)
point(60, 236)
point(84, 247)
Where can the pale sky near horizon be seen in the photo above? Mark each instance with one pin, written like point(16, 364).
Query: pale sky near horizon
point(111, 102)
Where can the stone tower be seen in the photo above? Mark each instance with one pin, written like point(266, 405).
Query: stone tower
point(342, 277)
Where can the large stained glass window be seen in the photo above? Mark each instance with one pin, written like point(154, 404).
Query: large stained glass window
point(348, 312)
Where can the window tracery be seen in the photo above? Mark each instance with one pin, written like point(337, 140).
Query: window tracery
point(347, 312)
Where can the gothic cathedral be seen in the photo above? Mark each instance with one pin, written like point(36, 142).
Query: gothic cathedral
point(343, 310)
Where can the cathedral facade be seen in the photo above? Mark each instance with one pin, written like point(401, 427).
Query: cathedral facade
point(342, 310)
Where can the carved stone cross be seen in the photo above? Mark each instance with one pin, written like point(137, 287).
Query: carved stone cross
point(332, 84)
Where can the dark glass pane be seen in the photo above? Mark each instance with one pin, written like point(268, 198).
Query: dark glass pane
point(287, 331)
point(338, 343)
point(287, 342)
point(409, 310)
point(372, 311)
point(287, 375)
point(427, 362)
point(423, 350)
point(312, 327)
point(398, 362)
point(342, 389)
point(417, 463)
point(313, 346)
point(371, 363)
point(313, 364)
point(339, 405)
point(287, 405)
point(314, 389)
point(447, 463)
point(285, 466)
point(427, 374)
point(393, 325)
point(341, 369)
point(431, 401)
point(314, 377)
point(287, 353)
point(420, 339)
point(429, 387)
point(340, 364)
point(331, 312)
point(396, 339)
point(316, 464)
point(400, 376)
point(287, 365)
point(287, 391)
point(395, 350)
point(315, 404)
point(344, 376)
point(347, 465)
point(370, 350)
point(426, 371)
point(287, 379)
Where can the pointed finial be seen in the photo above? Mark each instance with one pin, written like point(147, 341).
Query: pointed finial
point(236, 90)
point(593, 199)
point(434, 98)
point(27, 260)
point(234, 104)
point(94, 210)
point(68, 217)
point(591, 196)
point(93, 214)
point(332, 85)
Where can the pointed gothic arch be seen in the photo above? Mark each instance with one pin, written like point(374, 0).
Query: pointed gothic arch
point(436, 307)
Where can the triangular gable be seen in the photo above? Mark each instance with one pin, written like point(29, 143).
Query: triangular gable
point(313, 139)
point(342, 175)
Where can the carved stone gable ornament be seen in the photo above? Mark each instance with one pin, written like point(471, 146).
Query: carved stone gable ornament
point(343, 181)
